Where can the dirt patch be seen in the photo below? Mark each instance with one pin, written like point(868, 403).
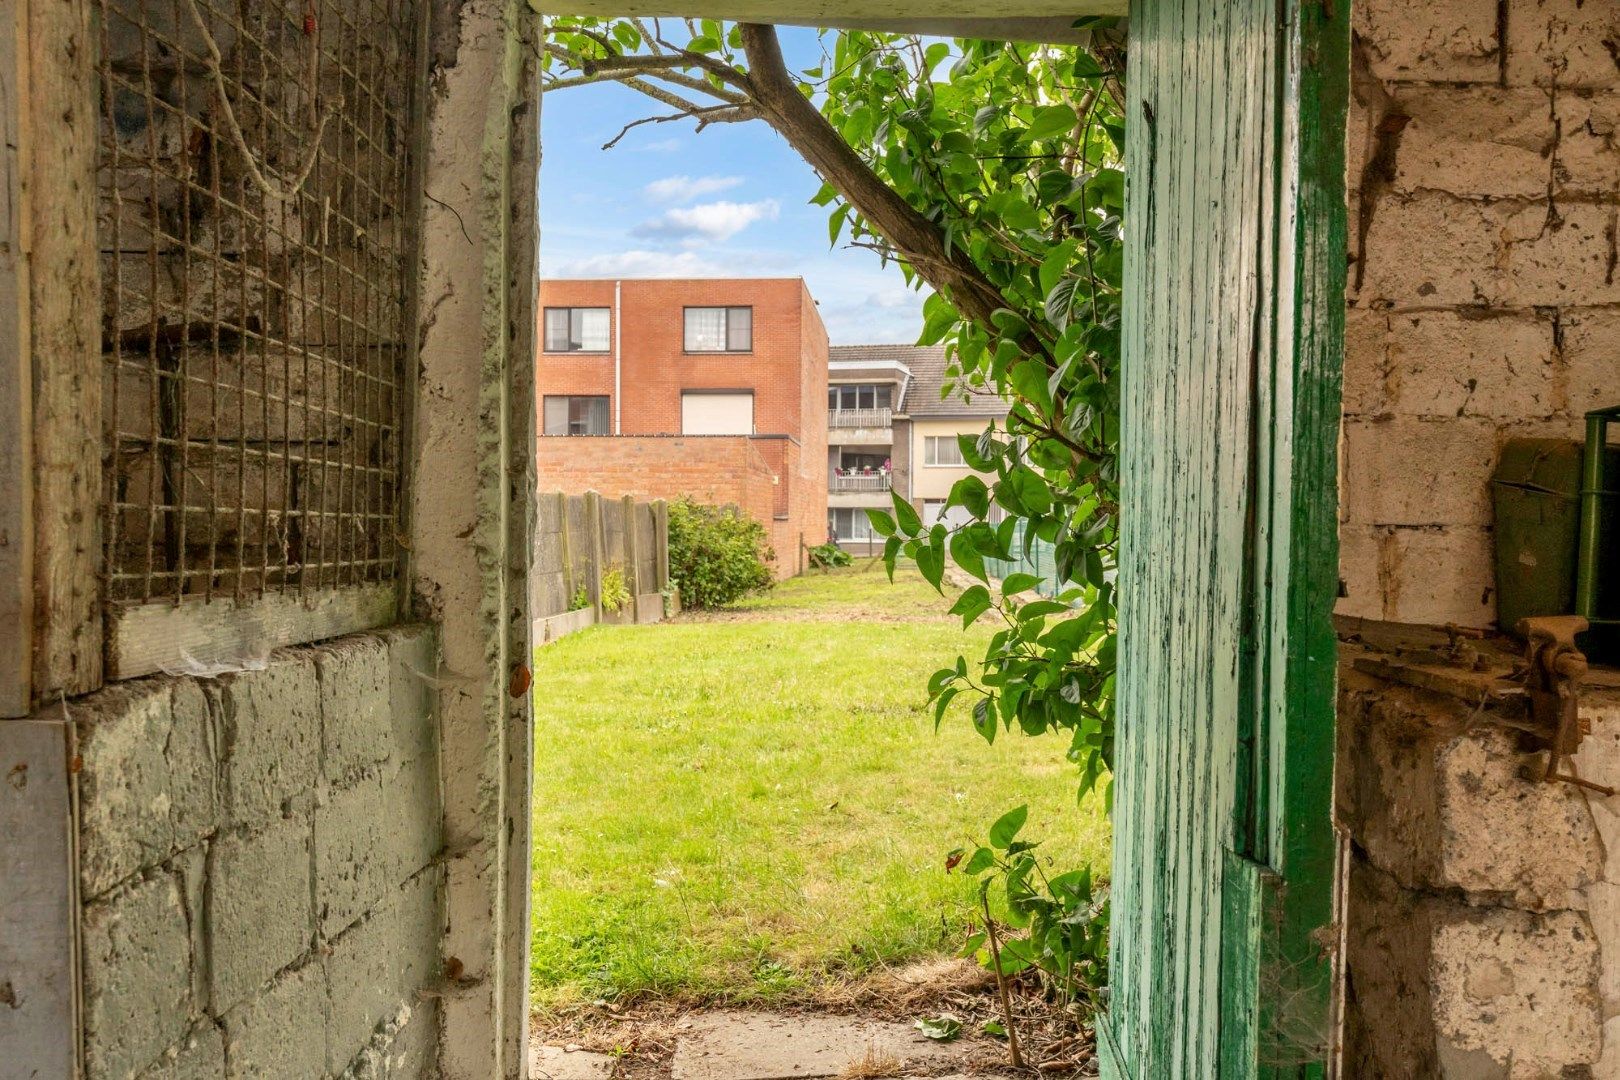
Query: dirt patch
point(642, 1038)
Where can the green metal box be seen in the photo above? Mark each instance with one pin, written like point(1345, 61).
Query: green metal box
point(1537, 495)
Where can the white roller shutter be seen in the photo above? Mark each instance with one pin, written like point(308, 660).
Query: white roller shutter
point(717, 414)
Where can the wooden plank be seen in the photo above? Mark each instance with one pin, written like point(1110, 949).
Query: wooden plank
point(16, 404)
point(195, 636)
point(38, 899)
point(1221, 713)
point(65, 338)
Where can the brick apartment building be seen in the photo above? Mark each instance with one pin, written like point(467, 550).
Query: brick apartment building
point(710, 388)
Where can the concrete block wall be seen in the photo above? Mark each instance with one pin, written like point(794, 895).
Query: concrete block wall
point(1484, 300)
point(258, 864)
point(1483, 918)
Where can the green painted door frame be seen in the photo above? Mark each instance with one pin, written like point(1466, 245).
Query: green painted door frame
point(1223, 850)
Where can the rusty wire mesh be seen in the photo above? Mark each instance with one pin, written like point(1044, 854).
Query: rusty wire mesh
point(254, 172)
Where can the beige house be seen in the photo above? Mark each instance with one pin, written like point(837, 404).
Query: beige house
point(891, 427)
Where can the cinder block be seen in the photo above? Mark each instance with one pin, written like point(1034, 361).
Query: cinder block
point(271, 722)
point(413, 657)
point(281, 1031)
point(1408, 471)
point(357, 839)
point(1592, 359)
point(137, 976)
point(147, 785)
point(198, 1056)
point(1448, 364)
point(382, 962)
point(1440, 806)
point(1435, 576)
point(1366, 361)
point(1477, 141)
point(1430, 40)
point(356, 726)
point(1430, 250)
point(259, 917)
point(1568, 43)
point(1519, 988)
point(1360, 584)
point(1556, 260)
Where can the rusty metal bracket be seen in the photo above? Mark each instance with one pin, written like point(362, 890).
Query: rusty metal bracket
point(1556, 668)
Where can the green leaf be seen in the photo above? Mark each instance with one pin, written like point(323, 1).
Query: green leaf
point(1051, 121)
point(984, 721)
point(965, 554)
point(971, 604)
point(981, 860)
point(942, 1028)
point(703, 43)
point(905, 516)
point(994, 1028)
point(1005, 830)
point(1017, 583)
point(881, 523)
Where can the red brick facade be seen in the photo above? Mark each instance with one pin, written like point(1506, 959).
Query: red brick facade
point(778, 475)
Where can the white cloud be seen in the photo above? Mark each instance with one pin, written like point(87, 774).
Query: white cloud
point(680, 189)
point(709, 222)
point(640, 264)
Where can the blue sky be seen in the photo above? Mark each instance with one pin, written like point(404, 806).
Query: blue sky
point(731, 201)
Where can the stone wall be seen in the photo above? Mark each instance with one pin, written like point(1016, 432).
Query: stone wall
point(1483, 918)
point(1483, 303)
point(259, 867)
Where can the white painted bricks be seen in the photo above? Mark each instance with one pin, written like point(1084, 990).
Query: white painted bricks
point(256, 848)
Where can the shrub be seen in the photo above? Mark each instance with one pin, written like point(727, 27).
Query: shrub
point(716, 554)
point(615, 592)
point(827, 556)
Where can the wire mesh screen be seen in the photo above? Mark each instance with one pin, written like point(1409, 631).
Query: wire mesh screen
point(254, 170)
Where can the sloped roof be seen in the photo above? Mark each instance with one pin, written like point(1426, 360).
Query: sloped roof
point(927, 366)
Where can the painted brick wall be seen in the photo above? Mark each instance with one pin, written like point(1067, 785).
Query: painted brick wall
point(1484, 302)
point(258, 864)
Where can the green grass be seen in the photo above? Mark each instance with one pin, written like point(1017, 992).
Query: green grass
point(754, 803)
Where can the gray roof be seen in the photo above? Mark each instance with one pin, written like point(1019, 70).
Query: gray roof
point(927, 366)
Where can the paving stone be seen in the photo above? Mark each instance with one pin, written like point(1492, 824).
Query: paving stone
point(764, 1046)
point(558, 1063)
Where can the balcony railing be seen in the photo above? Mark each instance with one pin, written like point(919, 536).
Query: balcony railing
point(858, 481)
point(860, 418)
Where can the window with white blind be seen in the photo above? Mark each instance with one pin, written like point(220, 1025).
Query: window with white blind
point(942, 450)
point(575, 415)
point(719, 329)
point(578, 329)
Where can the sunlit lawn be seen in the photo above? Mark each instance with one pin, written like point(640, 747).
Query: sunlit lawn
point(756, 803)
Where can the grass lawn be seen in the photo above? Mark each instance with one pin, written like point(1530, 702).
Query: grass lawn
point(754, 803)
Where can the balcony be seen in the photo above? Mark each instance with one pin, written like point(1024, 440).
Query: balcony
point(859, 418)
point(841, 482)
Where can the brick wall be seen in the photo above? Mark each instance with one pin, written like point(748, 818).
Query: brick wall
point(749, 473)
point(258, 867)
point(788, 358)
point(1484, 302)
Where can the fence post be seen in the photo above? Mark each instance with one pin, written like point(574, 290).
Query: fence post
point(632, 552)
point(661, 543)
point(593, 525)
point(566, 546)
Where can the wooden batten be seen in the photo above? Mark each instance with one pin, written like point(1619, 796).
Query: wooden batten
point(16, 408)
point(59, 156)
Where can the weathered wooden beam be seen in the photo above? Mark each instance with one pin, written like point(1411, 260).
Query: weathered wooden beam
point(16, 399)
point(61, 136)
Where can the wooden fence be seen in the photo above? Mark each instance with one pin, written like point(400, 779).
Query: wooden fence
point(582, 540)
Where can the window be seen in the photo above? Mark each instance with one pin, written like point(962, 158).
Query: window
point(723, 413)
point(857, 397)
point(941, 450)
point(719, 329)
point(578, 329)
point(850, 523)
point(576, 415)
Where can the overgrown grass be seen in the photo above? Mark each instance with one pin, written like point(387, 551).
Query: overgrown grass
point(754, 803)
